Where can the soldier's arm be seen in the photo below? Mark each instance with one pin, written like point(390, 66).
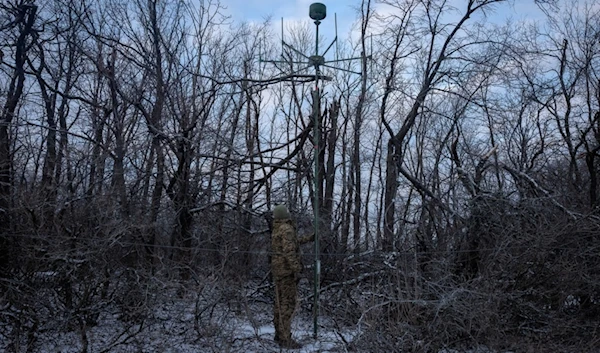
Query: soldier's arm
point(307, 238)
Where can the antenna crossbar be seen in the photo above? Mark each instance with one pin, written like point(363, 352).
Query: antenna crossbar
point(330, 45)
point(294, 49)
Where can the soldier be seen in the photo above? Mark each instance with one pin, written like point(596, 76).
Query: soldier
point(286, 266)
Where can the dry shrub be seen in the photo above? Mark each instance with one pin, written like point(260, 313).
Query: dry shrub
point(534, 286)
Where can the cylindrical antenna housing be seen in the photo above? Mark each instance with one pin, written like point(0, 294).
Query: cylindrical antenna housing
point(317, 11)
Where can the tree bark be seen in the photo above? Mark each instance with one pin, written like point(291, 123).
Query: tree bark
point(27, 15)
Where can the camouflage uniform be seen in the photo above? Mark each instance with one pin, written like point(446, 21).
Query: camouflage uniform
point(286, 266)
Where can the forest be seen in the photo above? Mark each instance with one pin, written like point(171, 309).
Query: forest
point(453, 165)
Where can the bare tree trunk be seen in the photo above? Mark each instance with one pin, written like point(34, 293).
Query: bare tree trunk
point(389, 203)
point(118, 129)
point(179, 191)
point(52, 166)
point(329, 174)
point(99, 117)
point(356, 155)
point(26, 15)
point(252, 139)
point(154, 122)
point(49, 166)
point(156, 197)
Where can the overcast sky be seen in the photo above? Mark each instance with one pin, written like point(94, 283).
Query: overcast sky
point(295, 12)
point(291, 9)
point(346, 10)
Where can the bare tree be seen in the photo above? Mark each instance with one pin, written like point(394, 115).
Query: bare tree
point(20, 25)
point(440, 48)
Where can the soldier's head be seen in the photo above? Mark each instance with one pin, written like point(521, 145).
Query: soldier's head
point(280, 212)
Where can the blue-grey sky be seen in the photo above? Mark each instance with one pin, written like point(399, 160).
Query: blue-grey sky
point(346, 10)
point(294, 12)
point(255, 10)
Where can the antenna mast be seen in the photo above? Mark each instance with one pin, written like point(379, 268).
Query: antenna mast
point(317, 12)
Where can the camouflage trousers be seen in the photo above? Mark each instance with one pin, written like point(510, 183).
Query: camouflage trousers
point(285, 305)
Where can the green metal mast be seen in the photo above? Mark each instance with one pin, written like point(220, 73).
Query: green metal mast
point(317, 12)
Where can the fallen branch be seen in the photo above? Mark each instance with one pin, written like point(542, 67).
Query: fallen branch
point(348, 282)
point(546, 193)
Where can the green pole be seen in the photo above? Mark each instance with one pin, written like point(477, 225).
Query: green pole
point(317, 137)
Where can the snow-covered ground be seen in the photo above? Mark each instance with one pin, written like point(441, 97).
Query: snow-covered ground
point(175, 329)
point(179, 327)
point(210, 318)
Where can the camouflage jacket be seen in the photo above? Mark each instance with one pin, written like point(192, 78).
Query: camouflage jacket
point(285, 249)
